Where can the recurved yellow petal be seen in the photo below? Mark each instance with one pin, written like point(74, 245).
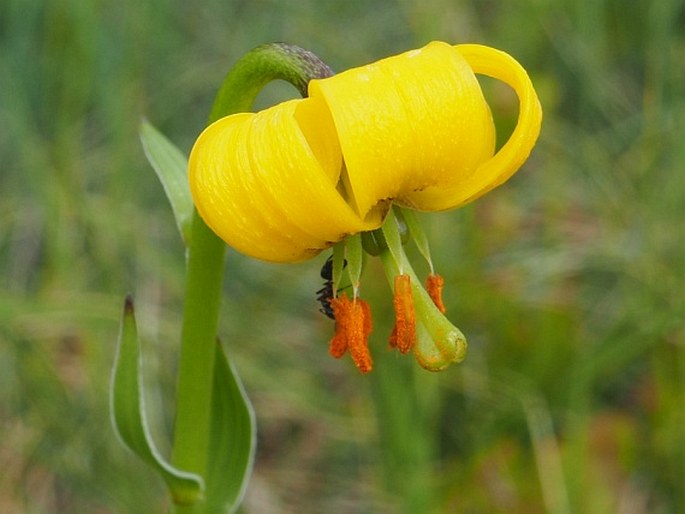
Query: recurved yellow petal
point(266, 183)
point(496, 170)
point(229, 201)
point(408, 122)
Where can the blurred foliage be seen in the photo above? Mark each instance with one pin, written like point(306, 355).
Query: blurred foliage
point(568, 281)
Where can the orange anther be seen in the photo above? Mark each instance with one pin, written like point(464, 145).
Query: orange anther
point(357, 338)
point(352, 328)
point(341, 311)
point(404, 333)
point(434, 284)
point(368, 325)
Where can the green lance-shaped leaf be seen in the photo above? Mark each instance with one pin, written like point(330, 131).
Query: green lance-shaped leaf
point(171, 167)
point(232, 439)
point(128, 413)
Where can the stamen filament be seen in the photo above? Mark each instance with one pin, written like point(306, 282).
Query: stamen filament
point(417, 234)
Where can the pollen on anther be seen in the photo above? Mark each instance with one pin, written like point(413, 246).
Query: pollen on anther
point(434, 285)
point(403, 336)
point(358, 341)
point(352, 329)
point(341, 311)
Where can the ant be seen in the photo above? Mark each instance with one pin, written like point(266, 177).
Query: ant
point(325, 294)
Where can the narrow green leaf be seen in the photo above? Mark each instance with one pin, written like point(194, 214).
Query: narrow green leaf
point(232, 439)
point(128, 413)
point(171, 167)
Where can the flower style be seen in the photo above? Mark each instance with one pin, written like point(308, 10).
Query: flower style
point(413, 130)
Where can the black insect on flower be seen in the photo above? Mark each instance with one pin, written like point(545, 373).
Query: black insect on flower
point(326, 293)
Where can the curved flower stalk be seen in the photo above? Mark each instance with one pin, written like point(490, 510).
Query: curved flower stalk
point(412, 130)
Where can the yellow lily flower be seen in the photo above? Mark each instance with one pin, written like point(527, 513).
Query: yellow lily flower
point(287, 182)
point(415, 130)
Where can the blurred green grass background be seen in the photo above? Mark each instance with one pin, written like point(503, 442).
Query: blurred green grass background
point(568, 281)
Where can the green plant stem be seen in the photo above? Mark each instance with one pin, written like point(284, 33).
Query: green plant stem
point(205, 262)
